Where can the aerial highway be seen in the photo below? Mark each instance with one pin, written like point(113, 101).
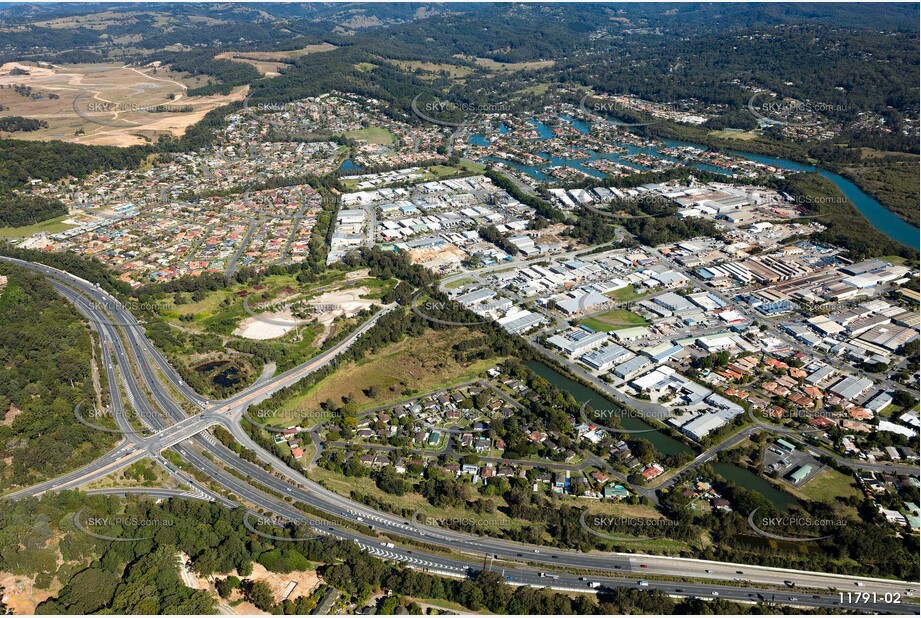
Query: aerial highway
point(170, 427)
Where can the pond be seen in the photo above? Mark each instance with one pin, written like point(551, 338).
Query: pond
point(665, 444)
point(749, 480)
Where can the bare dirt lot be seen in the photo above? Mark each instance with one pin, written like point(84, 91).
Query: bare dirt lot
point(330, 305)
point(271, 64)
point(104, 104)
point(19, 595)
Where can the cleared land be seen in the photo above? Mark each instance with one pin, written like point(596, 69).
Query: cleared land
point(740, 135)
point(829, 485)
point(105, 104)
point(454, 71)
point(625, 295)
point(459, 283)
point(613, 320)
point(372, 135)
point(401, 370)
point(51, 226)
point(271, 64)
point(493, 65)
point(346, 303)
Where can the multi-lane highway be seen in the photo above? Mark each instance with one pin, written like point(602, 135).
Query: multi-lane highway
point(141, 369)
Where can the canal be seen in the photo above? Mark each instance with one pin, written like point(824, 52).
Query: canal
point(665, 444)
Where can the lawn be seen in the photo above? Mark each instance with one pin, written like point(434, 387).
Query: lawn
point(414, 365)
point(615, 319)
point(51, 226)
point(372, 135)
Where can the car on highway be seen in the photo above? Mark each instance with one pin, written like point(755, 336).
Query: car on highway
point(715, 593)
point(792, 599)
point(644, 566)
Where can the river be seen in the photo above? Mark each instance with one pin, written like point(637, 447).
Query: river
point(878, 215)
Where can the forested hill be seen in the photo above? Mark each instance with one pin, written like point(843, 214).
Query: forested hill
point(45, 371)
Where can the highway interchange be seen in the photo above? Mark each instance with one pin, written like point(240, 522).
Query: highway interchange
point(179, 418)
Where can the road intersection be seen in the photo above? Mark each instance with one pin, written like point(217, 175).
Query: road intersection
point(137, 364)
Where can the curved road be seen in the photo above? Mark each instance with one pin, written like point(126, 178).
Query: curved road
point(185, 435)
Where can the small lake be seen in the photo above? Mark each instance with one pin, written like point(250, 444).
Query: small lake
point(749, 480)
point(349, 166)
point(663, 443)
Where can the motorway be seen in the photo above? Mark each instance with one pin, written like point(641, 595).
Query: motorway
point(136, 357)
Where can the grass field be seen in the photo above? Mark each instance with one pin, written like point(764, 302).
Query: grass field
point(432, 172)
point(493, 65)
point(454, 71)
point(459, 283)
point(540, 88)
point(625, 295)
point(272, 63)
point(471, 166)
point(828, 485)
point(399, 371)
point(739, 135)
point(51, 226)
point(614, 319)
point(372, 135)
